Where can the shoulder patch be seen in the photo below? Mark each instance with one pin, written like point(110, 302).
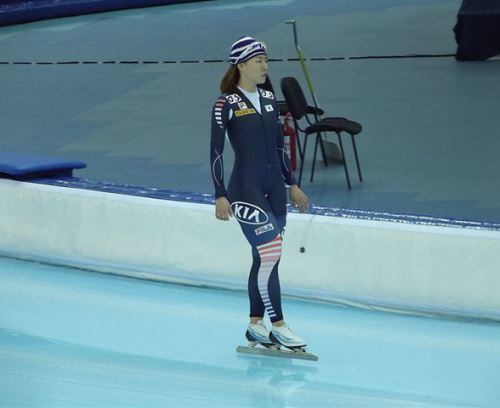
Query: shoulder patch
point(218, 109)
point(220, 102)
point(266, 94)
point(233, 98)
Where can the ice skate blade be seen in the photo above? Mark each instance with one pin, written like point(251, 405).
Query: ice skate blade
point(301, 355)
point(253, 344)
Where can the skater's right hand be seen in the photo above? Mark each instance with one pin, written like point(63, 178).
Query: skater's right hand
point(299, 199)
point(223, 209)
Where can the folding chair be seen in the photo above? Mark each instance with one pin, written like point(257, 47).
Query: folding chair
point(283, 110)
point(298, 107)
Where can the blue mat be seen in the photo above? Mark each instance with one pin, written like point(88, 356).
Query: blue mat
point(19, 166)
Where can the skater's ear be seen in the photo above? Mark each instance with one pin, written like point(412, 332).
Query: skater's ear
point(241, 67)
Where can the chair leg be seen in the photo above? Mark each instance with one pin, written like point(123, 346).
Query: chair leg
point(356, 156)
point(302, 160)
point(344, 161)
point(301, 154)
point(322, 150)
point(318, 137)
point(299, 147)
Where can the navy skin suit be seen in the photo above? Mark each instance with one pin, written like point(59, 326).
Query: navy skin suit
point(256, 189)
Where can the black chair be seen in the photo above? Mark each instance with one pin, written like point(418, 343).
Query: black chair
point(299, 109)
point(311, 110)
point(284, 110)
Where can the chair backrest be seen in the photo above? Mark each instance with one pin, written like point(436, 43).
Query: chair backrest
point(294, 97)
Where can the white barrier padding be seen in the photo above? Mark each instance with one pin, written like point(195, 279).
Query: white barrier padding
point(444, 270)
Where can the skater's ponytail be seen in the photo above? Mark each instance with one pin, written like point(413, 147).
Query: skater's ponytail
point(230, 81)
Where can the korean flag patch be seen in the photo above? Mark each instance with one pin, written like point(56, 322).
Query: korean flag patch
point(269, 108)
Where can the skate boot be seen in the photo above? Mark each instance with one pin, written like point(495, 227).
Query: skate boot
point(284, 336)
point(258, 333)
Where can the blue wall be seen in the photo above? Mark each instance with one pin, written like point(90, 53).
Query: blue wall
point(22, 11)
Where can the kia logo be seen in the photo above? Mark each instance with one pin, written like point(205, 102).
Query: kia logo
point(249, 213)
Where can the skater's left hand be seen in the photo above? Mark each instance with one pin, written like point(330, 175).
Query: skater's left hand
point(299, 199)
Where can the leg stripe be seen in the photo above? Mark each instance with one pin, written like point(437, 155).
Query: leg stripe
point(270, 254)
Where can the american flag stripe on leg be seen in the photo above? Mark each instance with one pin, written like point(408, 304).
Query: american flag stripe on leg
point(270, 254)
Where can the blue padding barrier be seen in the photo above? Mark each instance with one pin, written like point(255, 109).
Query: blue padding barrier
point(19, 166)
point(208, 198)
point(22, 11)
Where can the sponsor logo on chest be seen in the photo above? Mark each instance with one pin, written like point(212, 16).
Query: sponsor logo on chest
point(248, 213)
point(234, 98)
point(244, 112)
point(267, 94)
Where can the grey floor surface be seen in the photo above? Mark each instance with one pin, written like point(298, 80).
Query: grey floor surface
point(430, 142)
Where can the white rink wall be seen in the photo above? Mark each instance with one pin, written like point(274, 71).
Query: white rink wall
point(373, 264)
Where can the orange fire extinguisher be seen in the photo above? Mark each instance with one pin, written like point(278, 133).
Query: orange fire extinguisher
point(290, 140)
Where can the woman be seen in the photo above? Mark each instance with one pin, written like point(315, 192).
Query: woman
point(256, 194)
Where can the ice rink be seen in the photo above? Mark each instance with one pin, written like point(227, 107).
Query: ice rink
point(76, 338)
point(130, 93)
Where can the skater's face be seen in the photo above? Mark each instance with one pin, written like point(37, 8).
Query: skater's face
point(254, 70)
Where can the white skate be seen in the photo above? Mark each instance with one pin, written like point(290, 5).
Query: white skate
point(284, 336)
point(258, 333)
point(263, 343)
